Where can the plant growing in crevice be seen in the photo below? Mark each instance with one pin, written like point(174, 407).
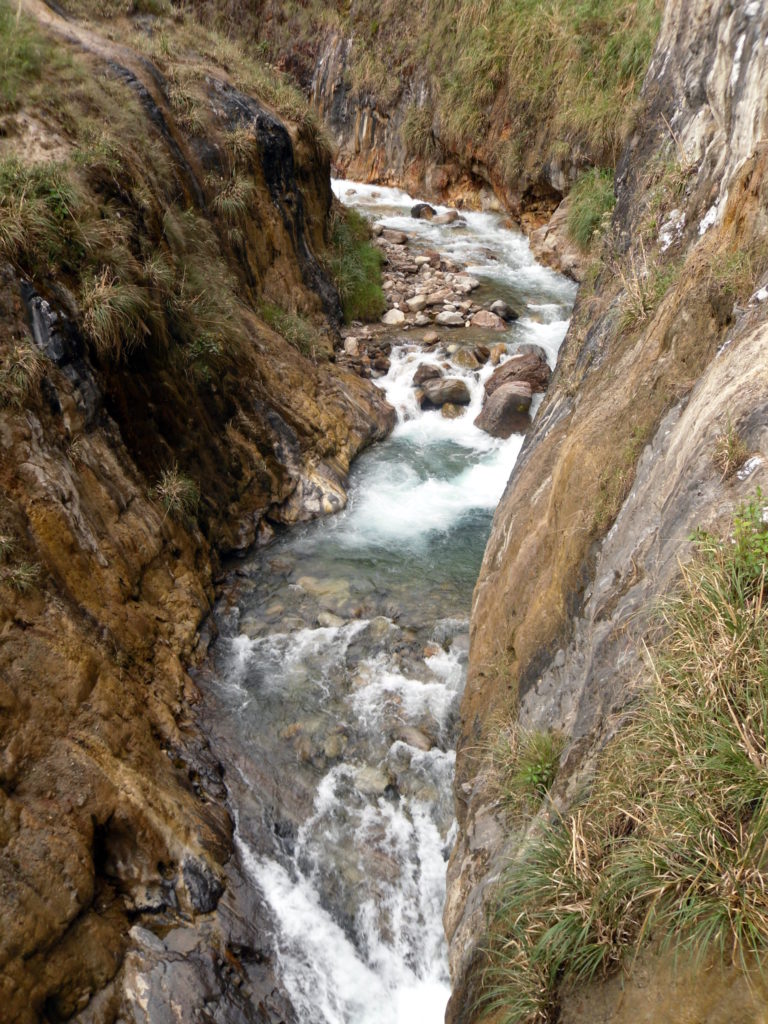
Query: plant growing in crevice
point(590, 203)
point(178, 494)
point(21, 366)
point(729, 452)
point(522, 766)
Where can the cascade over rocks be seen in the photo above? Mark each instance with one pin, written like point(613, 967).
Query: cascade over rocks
point(448, 389)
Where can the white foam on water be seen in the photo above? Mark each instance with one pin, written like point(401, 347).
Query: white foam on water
point(375, 843)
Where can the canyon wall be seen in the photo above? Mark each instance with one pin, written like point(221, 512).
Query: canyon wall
point(665, 356)
point(151, 423)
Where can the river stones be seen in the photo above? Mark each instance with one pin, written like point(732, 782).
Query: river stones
point(393, 317)
point(425, 372)
point(422, 211)
point(466, 359)
point(417, 303)
point(500, 308)
point(394, 237)
point(497, 354)
point(450, 217)
point(485, 318)
point(506, 410)
point(464, 284)
point(447, 389)
point(448, 319)
point(522, 366)
point(430, 338)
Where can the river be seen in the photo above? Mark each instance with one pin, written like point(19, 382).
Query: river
point(340, 662)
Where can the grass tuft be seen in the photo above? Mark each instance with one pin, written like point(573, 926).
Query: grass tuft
point(591, 201)
point(178, 494)
point(522, 766)
point(730, 452)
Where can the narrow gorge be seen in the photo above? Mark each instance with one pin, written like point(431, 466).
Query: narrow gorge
point(382, 541)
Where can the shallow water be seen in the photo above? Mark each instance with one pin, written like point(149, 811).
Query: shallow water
point(340, 664)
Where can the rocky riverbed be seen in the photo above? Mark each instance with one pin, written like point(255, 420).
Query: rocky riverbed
point(333, 688)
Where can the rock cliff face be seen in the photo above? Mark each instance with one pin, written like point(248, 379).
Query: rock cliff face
point(112, 806)
point(666, 353)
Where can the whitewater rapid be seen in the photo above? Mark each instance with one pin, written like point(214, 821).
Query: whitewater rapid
point(341, 661)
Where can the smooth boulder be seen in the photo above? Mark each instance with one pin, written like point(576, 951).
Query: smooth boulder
point(485, 318)
point(500, 308)
point(422, 211)
point(393, 317)
point(450, 319)
point(522, 366)
point(506, 410)
point(450, 217)
point(445, 389)
point(425, 372)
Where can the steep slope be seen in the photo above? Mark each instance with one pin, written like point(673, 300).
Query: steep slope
point(150, 215)
point(663, 370)
point(494, 103)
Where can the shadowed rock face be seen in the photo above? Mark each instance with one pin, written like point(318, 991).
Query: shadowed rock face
point(113, 820)
point(617, 470)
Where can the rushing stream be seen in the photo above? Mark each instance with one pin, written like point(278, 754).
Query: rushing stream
point(341, 661)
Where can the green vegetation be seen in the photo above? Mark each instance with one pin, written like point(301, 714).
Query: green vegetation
point(522, 766)
point(668, 849)
point(355, 266)
point(296, 329)
point(500, 69)
point(590, 201)
point(15, 571)
point(21, 366)
point(22, 55)
point(178, 494)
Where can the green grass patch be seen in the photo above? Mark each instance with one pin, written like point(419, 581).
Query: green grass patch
point(23, 54)
point(669, 847)
point(591, 201)
point(522, 765)
point(295, 328)
point(355, 266)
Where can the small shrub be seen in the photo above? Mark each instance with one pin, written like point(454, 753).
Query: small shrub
point(590, 201)
point(645, 285)
point(355, 267)
point(730, 452)
point(40, 214)
point(178, 494)
point(234, 197)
